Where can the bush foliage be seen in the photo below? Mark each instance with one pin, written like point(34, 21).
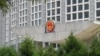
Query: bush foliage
point(72, 47)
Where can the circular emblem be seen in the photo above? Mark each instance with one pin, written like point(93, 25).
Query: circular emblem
point(50, 26)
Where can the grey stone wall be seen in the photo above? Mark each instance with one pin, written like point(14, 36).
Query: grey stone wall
point(2, 29)
point(92, 10)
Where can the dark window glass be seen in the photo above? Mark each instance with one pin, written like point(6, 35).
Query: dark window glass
point(58, 11)
point(86, 14)
point(79, 1)
point(32, 16)
point(40, 7)
point(80, 7)
point(46, 44)
point(53, 18)
point(48, 12)
point(48, 18)
point(53, 45)
point(74, 8)
point(53, 4)
point(40, 21)
point(58, 3)
point(53, 12)
point(98, 19)
point(68, 2)
point(86, 6)
point(98, 12)
point(36, 8)
point(36, 15)
point(40, 14)
point(80, 15)
point(48, 5)
point(74, 16)
point(68, 9)
point(68, 16)
point(58, 18)
point(74, 1)
point(36, 22)
point(32, 9)
point(98, 4)
point(86, 0)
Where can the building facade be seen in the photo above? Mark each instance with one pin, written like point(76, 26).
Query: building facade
point(29, 18)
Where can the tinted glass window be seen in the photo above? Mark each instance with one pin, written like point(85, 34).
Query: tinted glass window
point(98, 4)
point(98, 12)
point(80, 15)
point(58, 18)
point(68, 16)
point(58, 11)
point(53, 4)
point(80, 7)
point(48, 5)
point(86, 0)
point(79, 1)
point(58, 3)
point(86, 6)
point(68, 2)
point(74, 16)
point(48, 13)
point(74, 1)
point(74, 8)
point(86, 14)
point(53, 12)
point(68, 9)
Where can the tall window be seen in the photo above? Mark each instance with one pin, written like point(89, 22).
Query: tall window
point(53, 10)
point(37, 13)
point(97, 10)
point(13, 13)
point(23, 13)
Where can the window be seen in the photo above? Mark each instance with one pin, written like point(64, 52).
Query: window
point(80, 15)
point(36, 15)
point(53, 11)
point(48, 12)
point(68, 9)
point(58, 3)
point(74, 16)
point(40, 7)
point(39, 14)
point(32, 16)
point(79, 1)
point(53, 18)
point(86, 14)
point(25, 11)
point(98, 12)
point(58, 18)
point(40, 21)
point(53, 4)
point(68, 2)
point(26, 18)
point(86, 6)
point(98, 19)
point(36, 8)
point(68, 16)
point(98, 4)
point(36, 22)
point(48, 18)
point(58, 11)
point(48, 5)
point(86, 0)
point(74, 8)
point(80, 7)
point(74, 1)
